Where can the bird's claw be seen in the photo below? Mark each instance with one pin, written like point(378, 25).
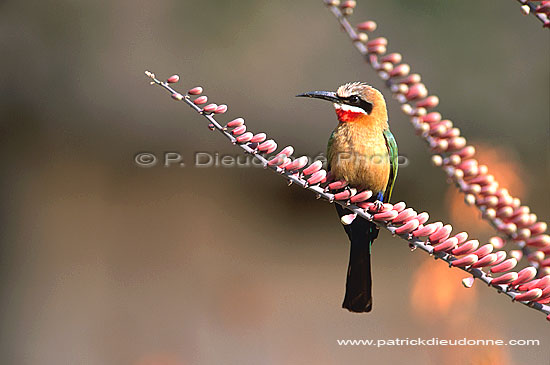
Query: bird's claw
point(377, 205)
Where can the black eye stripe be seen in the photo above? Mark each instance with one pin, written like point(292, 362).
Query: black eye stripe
point(355, 100)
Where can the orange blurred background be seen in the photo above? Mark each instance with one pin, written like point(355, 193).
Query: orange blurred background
point(106, 262)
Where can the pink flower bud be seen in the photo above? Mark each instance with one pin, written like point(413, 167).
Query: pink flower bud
point(468, 282)
point(411, 79)
point(394, 58)
point(348, 219)
point(486, 260)
point(456, 143)
point(461, 237)
point(267, 146)
point(501, 256)
point(287, 151)
point(314, 167)
point(523, 234)
point(517, 254)
point(400, 70)
point(380, 49)
point(482, 179)
point(381, 41)
point(506, 265)
point(452, 134)
point(173, 79)
point(529, 285)
point(441, 234)
point(466, 248)
point(541, 241)
point(408, 227)
point(405, 215)
point(489, 189)
point(349, 4)
point(399, 206)
point(299, 163)
point(469, 199)
point(428, 103)
point(195, 91)
point(277, 160)
point(258, 138)
point(521, 210)
point(210, 108)
point(504, 279)
point(439, 145)
point(467, 152)
point(362, 196)
point(538, 228)
point(235, 122)
point(239, 130)
point(446, 245)
point(536, 256)
point(201, 100)
point(317, 177)
point(417, 91)
point(427, 229)
point(177, 96)
point(407, 109)
point(337, 185)
point(472, 189)
point(525, 275)
point(368, 26)
point(441, 127)
point(531, 295)
point(437, 129)
point(505, 212)
point(543, 282)
point(385, 216)
point(545, 294)
point(423, 217)
point(437, 160)
point(484, 250)
point(465, 261)
point(245, 137)
point(221, 109)
point(343, 195)
point(505, 201)
point(285, 163)
point(433, 117)
point(507, 228)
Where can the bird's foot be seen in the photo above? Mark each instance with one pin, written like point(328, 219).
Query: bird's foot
point(377, 206)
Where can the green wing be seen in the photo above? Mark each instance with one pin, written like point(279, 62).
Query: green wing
point(329, 149)
point(393, 155)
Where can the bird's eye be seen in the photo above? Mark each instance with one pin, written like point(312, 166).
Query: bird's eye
point(354, 99)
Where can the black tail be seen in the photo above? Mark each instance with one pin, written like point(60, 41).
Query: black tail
point(362, 234)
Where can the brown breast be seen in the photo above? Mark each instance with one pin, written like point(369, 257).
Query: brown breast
point(359, 155)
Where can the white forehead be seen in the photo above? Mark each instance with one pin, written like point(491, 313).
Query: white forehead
point(352, 88)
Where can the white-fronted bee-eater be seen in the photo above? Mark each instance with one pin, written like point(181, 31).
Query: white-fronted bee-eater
point(363, 152)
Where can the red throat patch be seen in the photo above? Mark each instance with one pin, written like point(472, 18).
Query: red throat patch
point(347, 115)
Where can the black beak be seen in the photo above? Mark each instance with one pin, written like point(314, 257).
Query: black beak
point(325, 95)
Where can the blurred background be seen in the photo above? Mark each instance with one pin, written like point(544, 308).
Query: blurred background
point(106, 262)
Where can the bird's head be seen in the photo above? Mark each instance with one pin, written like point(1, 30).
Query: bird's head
point(355, 102)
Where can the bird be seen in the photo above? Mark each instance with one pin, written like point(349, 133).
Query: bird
point(362, 151)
